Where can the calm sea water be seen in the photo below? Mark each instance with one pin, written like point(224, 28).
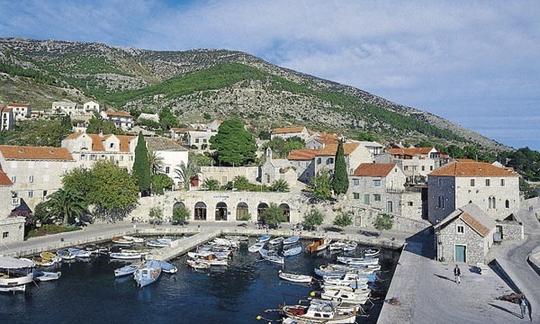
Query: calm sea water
point(87, 292)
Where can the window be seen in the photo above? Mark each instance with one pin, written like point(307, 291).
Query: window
point(196, 140)
point(356, 195)
point(423, 168)
point(330, 161)
point(366, 199)
point(44, 193)
point(472, 182)
point(376, 197)
point(5, 235)
point(502, 182)
point(410, 203)
point(377, 183)
point(406, 168)
point(318, 160)
point(389, 207)
point(167, 169)
point(491, 203)
point(488, 182)
point(507, 203)
point(460, 229)
point(431, 168)
point(13, 179)
point(440, 202)
point(356, 182)
point(30, 194)
point(111, 145)
point(31, 179)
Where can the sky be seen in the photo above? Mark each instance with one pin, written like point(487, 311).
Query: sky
point(476, 63)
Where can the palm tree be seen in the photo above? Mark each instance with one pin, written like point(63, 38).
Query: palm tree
point(211, 184)
point(155, 161)
point(279, 185)
point(66, 204)
point(186, 172)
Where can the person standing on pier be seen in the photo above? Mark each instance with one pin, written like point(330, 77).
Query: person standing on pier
point(457, 274)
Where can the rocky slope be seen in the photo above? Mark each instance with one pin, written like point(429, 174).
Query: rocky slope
point(217, 82)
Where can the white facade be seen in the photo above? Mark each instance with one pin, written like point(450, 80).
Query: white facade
point(67, 107)
point(416, 162)
point(290, 132)
point(7, 120)
point(121, 119)
point(151, 117)
point(91, 106)
point(20, 111)
point(277, 169)
point(172, 155)
point(199, 140)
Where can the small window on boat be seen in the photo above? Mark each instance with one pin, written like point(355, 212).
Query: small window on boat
point(317, 315)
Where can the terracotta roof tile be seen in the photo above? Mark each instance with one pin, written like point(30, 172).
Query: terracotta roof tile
point(410, 151)
point(12, 152)
point(302, 155)
point(331, 149)
point(17, 104)
point(118, 113)
point(328, 138)
point(374, 169)
point(288, 130)
point(97, 141)
point(475, 224)
point(4, 179)
point(472, 169)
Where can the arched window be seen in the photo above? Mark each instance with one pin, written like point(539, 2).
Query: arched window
point(260, 210)
point(491, 203)
point(200, 211)
point(389, 207)
point(242, 212)
point(286, 212)
point(221, 211)
point(507, 203)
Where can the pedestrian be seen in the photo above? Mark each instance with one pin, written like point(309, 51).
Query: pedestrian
point(525, 307)
point(457, 274)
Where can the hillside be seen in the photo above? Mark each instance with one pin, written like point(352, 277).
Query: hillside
point(217, 82)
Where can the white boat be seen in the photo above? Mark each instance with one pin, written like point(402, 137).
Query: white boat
point(264, 238)
point(126, 270)
point(318, 245)
point(277, 240)
point(198, 264)
point(316, 313)
point(125, 255)
point(237, 238)
point(371, 252)
point(120, 240)
point(341, 307)
point(337, 246)
point(204, 254)
point(290, 250)
point(293, 277)
point(354, 287)
point(15, 274)
point(148, 273)
point(65, 254)
point(47, 276)
point(358, 261)
point(291, 240)
point(133, 239)
point(168, 267)
point(271, 256)
point(159, 242)
point(213, 261)
point(78, 253)
point(224, 242)
point(256, 247)
point(345, 296)
point(350, 246)
point(347, 279)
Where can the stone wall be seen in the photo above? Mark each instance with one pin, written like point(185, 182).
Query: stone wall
point(226, 174)
point(365, 217)
point(511, 231)
point(11, 230)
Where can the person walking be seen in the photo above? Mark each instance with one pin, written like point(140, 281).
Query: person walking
point(525, 307)
point(457, 274)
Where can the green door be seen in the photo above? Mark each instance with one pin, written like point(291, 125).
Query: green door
point(460, 255)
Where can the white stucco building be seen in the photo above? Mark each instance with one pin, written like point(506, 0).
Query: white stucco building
point(121, 119)
point(7, 119)
point(199, 139)
point(20, 111)
point(11, 228)
point(416, 162)
point(91, 106)
point(172, 154)
point(290, 132)
point(67, 107)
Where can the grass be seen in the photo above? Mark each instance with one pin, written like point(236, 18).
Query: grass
point(51, 229)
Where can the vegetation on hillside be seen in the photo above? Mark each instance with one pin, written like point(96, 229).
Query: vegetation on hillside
point(37, 133)
point(281, 148)
point(234, 144)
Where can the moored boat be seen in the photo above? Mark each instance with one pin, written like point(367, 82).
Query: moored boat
point(133, 239)
point(15, 274)
point(126, 270)
point(337, 246)
point(372, 252)
point(46, 276)
point(159, 242)
point(316, 313)
point(293, 277)
point(256, 247)
point(291, 250)
point(120, 240)
point(271, 256)
point(65, 254)
point(125, 255)
point(78, 253)
point(168, 267)
point(291, 240)
point(198, 264)
point(350, 246)
point(358, 261)
point(318, 245)
point(147, 274)
point(345, 296)
point(277, 240)
point(263, 238)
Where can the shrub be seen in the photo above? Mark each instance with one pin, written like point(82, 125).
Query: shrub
point(279, 185)
point(156, 215)
point(180, 215)
point(384, 222)
point(343, 219)
point(313, 218)
point(210, 184)
point(273, 215)
point(320, 186)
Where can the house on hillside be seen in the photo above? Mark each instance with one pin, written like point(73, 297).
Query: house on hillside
point(68, 108)
point(91, 107)
point(318, 141)
point(20, 111)
point(121, 119)
point(199, 139)
point(172, 155)
point(7, 119)
point(290, 132)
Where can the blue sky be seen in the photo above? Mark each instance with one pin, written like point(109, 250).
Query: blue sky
point(475, 63)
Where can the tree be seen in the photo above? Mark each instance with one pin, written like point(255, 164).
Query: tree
point(66, 205)
point(343, 219)
point(155, 215)
point(313, 218)
point(160, 183)
point(211, 184)
point(43, 214)
point(167, 119)
point(180, 215)
point(273, 215)
point(234, 145)
point(383, 222)
point(281, 148)
point(186, 172)
point(279, 185)
point(82, 181)
point(97, 125)
point(366, 136)
point(202, 159)
point(320, 186)
point(37, 133)
point(156, 162)
point(265, 135)
point(141, 166)
point(340, 180)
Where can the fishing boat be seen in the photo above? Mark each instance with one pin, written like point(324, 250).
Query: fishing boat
point(65, 254)
point(224, 242)
point(168, 267)
point(337, 246)
point(162, 242)
point(124, 255)
point(204, 254)
point(341, 307)
point(237, 238)
point(46, 263)
point(126, 270)
point(372, 252)
point(78, 253)
point(133, 239)
point(120, 240)
point(290, 250)
point(318, 245)
point(15, 273)
point(358, 261)
point(256, 247)
point(291, 240)
point(345, 296)
point(277, 240)
point(350, 246)
point(213, 261)
point(264, 238)
point(271, 256)
point(148, 273)
point(346, 279)
point(316, 313)
point(46, 276)
point(197, 264)
point(293, 277)
point(354, 287)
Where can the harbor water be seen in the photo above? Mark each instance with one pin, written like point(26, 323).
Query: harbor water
point(87, 292)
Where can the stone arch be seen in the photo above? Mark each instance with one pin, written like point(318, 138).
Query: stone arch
point(199, 212)
point(242, 211)
point(221, 211)
point(260, 210)
point(286, 212)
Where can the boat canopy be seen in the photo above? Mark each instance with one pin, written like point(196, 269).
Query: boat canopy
point(14, 263)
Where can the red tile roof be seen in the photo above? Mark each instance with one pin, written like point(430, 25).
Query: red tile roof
point(97, 141)
point(302, 155)
point(331, 149)
point(374, 169)
point(475, 224)
point(118, 113)
point(288, 130)
point(472, 169)
point(411, 151)
point(16, 104)
point(4, 179)
point(328, 138)
point(12, 152)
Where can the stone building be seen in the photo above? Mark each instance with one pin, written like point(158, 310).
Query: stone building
point(35, 172)
point(290, 132)
point(121, 119)
point(416, 162)
point(91, 106)
point(179, 134)
point(277, 169)
point(20, 111)
point(465, 235)
point(199, 139)
point(7, 120)
point(172, 155)
point(68, 108)
point(11, 228)
point(150, 117)
point(226, 174)
point(89, 148)
point(494, 189)
point(319, 140)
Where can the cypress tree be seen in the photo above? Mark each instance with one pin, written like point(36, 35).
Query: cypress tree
point(141, 166)
point(340, 181)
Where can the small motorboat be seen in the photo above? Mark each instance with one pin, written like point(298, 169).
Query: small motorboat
point(162, 242)
point(337, 246)
point(198, 264)
point(271, 256)
point(80, 253)
point(358, 261)
point(168, 267)
point(291, 240)
point(126, 270)
point(15, 273)
point(126, 255)
point(277, 240)
point(318, 245)
point(133, 239)
point(120, 240)
point(256, 247)
point(293, 277)
point(237, 238)
point(350, 246)
point(316, 313)
point(345, 296)
point(46, 276)
point(204, 254)
point(46, 263)
point(224, 242)
point(148, 273)
point(371, 252)
point(264, 238)
point(290, 250)
point(65, 254)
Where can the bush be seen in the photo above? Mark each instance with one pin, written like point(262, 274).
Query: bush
point(343, 219)
point(180, 215)
point(210, 184)
point(273, 215)
point(313, 218)
point(156, 215)
point(160, 183)
point(279, 185)
point(384, 222)
point(320, 186)
point(48, 229)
